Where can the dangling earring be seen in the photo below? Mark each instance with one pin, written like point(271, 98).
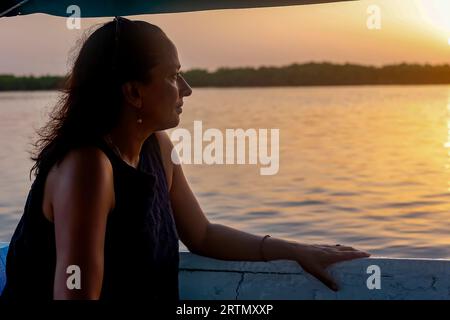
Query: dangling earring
point(139, 118)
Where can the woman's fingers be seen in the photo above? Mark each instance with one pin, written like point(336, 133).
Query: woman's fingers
point(319, 257)
point(323, 275)
point(340, 247)
point(326, 279)
point(344, 248)
point(350, 255)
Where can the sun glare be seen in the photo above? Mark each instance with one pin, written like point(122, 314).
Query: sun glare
point(437, 12)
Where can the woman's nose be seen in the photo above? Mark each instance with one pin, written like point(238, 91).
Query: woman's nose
point(186, 89)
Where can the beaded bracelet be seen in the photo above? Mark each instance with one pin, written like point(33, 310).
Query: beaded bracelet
point(263, 258)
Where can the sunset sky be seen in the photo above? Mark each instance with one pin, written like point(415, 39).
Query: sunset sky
point(416, 31)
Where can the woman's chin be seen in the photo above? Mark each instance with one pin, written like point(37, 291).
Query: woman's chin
point(174, 121)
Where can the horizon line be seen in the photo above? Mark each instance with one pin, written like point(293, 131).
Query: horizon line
point(212, 70)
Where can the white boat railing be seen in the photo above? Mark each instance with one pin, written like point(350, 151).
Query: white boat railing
point(363, 279)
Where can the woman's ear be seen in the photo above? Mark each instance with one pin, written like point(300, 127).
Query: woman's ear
point(132, 94)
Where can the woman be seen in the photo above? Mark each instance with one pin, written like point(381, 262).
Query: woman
point(107, 203)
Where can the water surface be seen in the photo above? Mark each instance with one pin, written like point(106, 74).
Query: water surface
point(366, 166)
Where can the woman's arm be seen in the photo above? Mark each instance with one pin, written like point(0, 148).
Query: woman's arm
point(223, 242)
point(226, 243)
point(81, 194)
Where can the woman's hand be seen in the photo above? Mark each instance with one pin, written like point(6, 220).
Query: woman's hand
point(314, 259)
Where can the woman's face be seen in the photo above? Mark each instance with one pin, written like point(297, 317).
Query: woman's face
point(162, 96)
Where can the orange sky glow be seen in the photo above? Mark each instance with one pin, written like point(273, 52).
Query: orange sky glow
point(413, 31)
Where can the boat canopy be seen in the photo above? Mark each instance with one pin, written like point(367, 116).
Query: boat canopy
point(109, 8)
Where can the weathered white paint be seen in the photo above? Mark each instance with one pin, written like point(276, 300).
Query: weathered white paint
point(205, 278)
point(400, 279)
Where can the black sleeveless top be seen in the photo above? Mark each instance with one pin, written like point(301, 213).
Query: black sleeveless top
point(141, 242)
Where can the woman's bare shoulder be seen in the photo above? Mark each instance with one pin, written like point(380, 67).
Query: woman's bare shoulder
point(86, 161)
point(83, 171)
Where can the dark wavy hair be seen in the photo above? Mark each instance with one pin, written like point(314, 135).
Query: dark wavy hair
point(117, 52)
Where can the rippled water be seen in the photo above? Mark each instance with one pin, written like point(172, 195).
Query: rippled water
point(364, 166)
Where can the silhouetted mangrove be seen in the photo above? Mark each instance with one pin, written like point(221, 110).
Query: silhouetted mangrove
point(309, 74)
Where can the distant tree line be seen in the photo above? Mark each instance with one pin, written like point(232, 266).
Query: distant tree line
point(10, 82)
point(309, 74)
point(320, 74)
